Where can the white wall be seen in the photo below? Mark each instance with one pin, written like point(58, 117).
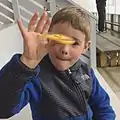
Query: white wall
point(10, 43)
point(113, 6)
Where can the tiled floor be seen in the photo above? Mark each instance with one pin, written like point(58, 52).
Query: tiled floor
point(112, 77)
point(118, 95)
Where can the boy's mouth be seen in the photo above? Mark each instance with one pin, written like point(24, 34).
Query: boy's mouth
point(62, 59)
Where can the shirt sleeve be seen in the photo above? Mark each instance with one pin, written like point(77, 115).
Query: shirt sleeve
point(15, 86)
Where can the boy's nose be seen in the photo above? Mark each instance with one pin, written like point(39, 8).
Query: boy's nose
point(65, 50)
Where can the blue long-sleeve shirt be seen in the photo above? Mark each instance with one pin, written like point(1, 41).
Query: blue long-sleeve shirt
point(20, 85)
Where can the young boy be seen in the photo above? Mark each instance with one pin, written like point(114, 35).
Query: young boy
point(50, 76)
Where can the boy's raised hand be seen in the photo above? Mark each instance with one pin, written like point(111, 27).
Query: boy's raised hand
point(34, 45)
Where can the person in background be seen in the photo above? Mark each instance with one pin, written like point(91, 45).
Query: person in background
point(101, 8)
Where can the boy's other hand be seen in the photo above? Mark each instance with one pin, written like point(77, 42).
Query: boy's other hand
point(34, 45)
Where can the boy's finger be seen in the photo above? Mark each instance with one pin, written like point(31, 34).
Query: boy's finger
point(21, 26)
point(31, 25)
point(46, 26)
point(41, 22)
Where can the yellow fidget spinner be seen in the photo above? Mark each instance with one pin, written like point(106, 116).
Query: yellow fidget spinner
point(59, 38)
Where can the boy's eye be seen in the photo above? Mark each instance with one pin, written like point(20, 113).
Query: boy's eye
point(76, 43)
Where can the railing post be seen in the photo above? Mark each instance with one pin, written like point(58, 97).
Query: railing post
point(16, 10)
point(52, 5)
point(119, 23)
point(93, 44)
point(112, 21)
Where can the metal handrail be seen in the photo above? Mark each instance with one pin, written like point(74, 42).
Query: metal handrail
point(113, 23)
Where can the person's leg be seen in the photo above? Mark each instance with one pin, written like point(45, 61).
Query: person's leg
point(104, 17)
point(105, 25)
point(101, 15)
point(98, 9)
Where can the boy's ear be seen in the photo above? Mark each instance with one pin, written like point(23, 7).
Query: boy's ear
point(87, 45)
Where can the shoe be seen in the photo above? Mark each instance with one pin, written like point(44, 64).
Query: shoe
point(102, 32)
point(97, 31)
point(105, 31)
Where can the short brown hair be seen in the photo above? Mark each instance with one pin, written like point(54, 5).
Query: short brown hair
point(78, 18)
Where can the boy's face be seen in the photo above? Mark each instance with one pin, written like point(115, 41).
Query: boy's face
point(64, 56)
